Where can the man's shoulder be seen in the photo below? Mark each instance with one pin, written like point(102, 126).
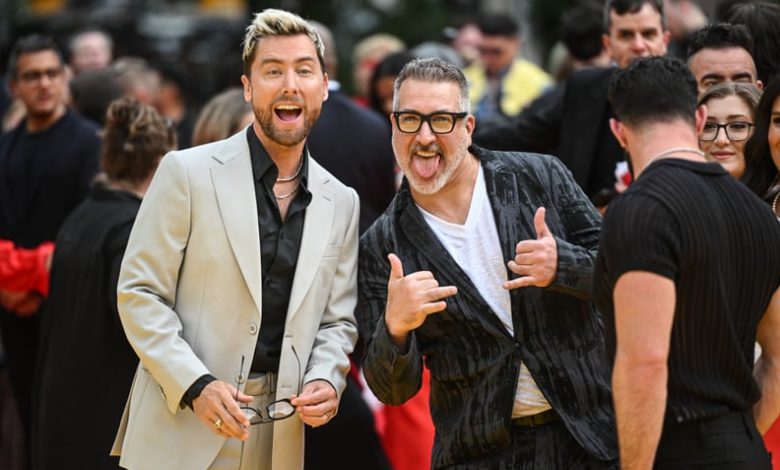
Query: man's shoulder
point(78, 124)
point(518, 162)
point(382, 230)
point(590, 75)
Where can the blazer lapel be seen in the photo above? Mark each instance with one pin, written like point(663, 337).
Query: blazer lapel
point(316, 233)
point(235, 192)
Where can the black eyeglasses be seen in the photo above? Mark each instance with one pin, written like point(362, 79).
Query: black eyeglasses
point(280, 409)
point(735, 131)
point(410, 122)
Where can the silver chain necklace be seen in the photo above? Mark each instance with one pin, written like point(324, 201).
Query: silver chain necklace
point(290, 178)
point(289, 193)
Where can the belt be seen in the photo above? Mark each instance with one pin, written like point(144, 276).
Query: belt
point(536, 420)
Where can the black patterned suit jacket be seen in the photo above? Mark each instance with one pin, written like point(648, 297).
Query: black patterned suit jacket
point(474, 361)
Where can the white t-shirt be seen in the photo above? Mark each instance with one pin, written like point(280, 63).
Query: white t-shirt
point(477, 250)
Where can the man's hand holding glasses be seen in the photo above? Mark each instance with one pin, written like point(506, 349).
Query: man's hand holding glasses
point(218, 406)
point(317, 403)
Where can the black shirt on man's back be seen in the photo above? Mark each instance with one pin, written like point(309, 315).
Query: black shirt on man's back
point(693, 223)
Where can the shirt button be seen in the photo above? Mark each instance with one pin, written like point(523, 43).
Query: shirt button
point(252, 329)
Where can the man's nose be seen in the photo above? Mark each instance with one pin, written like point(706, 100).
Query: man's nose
point(638, 44)
point(290, 83)
point(425, 135)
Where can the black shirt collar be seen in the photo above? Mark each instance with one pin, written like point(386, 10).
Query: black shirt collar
point(262, 165)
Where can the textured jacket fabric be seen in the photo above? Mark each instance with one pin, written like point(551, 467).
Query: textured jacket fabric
point(474, 362)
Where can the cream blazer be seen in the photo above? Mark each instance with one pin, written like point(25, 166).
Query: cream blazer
point(189, 298)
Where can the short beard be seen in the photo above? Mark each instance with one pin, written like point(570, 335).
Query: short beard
point(286, 138)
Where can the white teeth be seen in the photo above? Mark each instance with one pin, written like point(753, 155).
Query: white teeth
point(426, 154)
point(288, 107)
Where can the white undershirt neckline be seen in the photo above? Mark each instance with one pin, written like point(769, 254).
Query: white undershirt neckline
point(476, 248)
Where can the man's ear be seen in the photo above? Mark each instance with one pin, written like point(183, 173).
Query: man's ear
point(618, 131)
point(325, 80)
point(247, 88)
point(700, 118)
point(606, 41)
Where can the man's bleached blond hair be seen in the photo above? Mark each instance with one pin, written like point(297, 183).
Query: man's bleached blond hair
point(272, 22)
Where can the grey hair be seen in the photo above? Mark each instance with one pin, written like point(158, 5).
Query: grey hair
point(433, 70)
point(272, 22)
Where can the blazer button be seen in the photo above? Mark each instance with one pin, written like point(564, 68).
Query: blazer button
point(252, 329)
point(240, 379)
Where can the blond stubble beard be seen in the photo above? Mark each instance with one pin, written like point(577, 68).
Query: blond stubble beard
point(286, 138)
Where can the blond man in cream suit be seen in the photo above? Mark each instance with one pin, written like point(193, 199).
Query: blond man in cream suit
point(192, 289)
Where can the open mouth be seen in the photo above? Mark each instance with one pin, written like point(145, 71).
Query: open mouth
point(425, 162)
point(288, 112)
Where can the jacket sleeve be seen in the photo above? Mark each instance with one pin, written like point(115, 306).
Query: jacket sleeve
point(148, 282)
point(337, 333)
point(393, 373)
point(582, 224)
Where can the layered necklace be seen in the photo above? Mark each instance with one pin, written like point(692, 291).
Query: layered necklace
point(287, 179)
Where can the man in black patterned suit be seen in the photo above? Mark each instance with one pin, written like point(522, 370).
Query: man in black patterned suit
point(519, 377)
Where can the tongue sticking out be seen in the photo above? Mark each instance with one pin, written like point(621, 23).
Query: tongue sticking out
point(425, 167)
point(288, 114)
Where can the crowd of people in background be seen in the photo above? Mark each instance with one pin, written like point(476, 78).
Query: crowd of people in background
point(431, 383)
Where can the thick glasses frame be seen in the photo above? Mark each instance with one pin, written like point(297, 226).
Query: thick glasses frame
point(706, 137)
point(427, 118)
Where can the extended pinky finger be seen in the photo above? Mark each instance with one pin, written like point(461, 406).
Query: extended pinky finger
point(524, 281)
point(434, 307)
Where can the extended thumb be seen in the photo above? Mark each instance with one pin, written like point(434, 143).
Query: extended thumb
point(396, 268)
point(539, 224)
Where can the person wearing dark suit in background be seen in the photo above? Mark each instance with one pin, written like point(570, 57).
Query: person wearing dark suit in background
point(573, 124)
point(47, 164)
point(519, 377)
point(353, 143)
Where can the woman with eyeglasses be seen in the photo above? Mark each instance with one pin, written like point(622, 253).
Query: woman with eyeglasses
point(85, 364)
point(730, 108)
point(762, 152)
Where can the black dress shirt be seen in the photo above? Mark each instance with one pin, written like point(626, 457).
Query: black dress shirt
point(280, 242)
